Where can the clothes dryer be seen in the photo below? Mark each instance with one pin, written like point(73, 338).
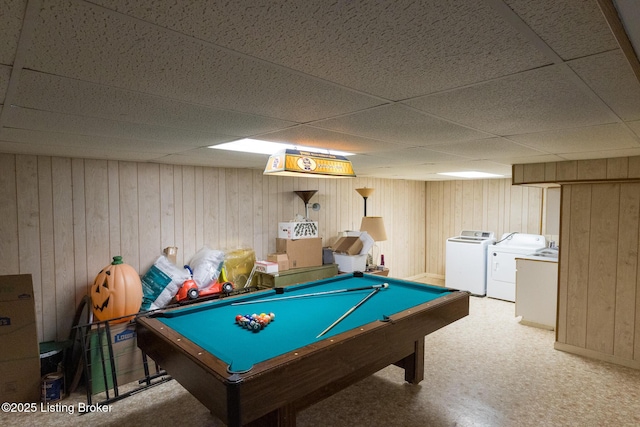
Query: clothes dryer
point(501, 262)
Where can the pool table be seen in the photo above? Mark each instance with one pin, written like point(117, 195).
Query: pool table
point(246, 377)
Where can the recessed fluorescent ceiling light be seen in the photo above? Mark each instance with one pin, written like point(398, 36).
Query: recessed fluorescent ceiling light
point(470, 174)
point(257, 146)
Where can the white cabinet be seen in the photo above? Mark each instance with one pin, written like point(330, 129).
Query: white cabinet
point(537, 292)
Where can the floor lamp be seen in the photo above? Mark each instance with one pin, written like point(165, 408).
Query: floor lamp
point(365, 193)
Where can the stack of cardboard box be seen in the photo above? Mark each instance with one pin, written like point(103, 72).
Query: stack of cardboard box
point(20, 356)
point(299, 241)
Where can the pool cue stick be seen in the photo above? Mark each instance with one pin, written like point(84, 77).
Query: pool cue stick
point(351, 310)
point(315, 294)
point(253, 271)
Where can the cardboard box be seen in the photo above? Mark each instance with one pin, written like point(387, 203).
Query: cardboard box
point(266, 266)
point(127, 357)
point(20, 356)
point(281, 259)
point(350, 245)
point(298, 230)
point(301, 252)
point(171, 252)
point(367, 240)
point(349, 263)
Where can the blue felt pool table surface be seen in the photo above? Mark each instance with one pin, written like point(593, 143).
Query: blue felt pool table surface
point(212, 326)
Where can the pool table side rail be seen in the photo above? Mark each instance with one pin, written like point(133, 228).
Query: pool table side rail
point(196, 370)
point(359, 353)
point(301, 378)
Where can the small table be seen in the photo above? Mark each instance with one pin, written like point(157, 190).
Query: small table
point(265, 377)
point(383, 272)
point(295, 275)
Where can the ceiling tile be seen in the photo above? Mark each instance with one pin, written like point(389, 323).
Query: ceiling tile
point(395, 50)
point(478, 165)
point(490, 148)
point(538, 100)
point(45, 121)
point(397, 123)
point(592, 138)
point(52, 93)
point(411, 86)
point(216, 158)
point(123, 145)
point(572, 28)
point(529, 159)
point(5, 74)
point(404, 157)
point(326, 139)
point(82, 41)
point(419, 172)
point(86, 152)
point(12, 16)
point(601, 154)
point(612, 79)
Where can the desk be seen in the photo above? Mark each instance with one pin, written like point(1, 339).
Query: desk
point(267, 376)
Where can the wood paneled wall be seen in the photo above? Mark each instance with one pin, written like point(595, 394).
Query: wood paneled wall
point(599, 296)
point(63, 219)
point(598, 280)
point(490, 205)
point(575, 171)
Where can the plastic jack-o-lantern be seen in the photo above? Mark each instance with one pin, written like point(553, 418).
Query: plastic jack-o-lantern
point(116, 292)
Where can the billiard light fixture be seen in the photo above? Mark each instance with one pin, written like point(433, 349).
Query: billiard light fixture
point(295, 160)
point(307, 163)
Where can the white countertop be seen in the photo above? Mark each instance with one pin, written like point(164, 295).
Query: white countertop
point(538, 258)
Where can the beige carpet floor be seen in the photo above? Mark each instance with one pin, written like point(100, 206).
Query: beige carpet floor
point(484, 370)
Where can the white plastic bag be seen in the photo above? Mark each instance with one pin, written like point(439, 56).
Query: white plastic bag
point(206, 265)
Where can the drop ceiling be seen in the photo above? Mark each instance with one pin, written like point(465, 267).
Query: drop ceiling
point(412, 87)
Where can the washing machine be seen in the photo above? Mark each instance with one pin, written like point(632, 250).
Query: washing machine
point(501, 262)
point(466, 261)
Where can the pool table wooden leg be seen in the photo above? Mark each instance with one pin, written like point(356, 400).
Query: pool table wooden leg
point(414, 363)
point(281, 417)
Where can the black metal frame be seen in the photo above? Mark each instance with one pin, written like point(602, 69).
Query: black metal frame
point(113, 394)
point(80, 332)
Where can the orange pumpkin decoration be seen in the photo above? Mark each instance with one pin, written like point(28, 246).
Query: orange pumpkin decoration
point(116, 292)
